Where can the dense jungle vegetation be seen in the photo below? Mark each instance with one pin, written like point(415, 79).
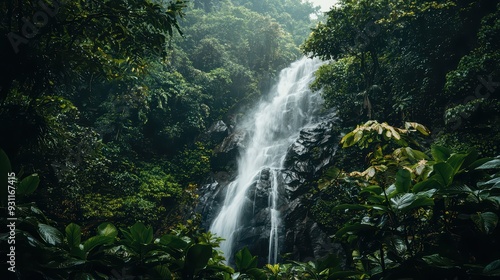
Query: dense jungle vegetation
point(104, 106)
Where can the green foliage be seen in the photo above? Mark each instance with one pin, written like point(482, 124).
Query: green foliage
point(413, 210)
point(193, 163)
point(410, 201)
point(340, 87)
point(111, 123)
point(146, 193)
point(28, 185)
point(197, 258)
point(244, 260)
point(110, 126)
point(184, 253)
point(480, 62)
point(15, 187)
point(46, 252)
point(394, 231)
point(157, 185)
point(396, 60)
point(293, 15)
point(373, 133)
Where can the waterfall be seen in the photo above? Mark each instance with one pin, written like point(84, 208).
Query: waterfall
point(272, 128)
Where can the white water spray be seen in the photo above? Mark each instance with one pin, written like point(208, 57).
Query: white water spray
point(272, 128)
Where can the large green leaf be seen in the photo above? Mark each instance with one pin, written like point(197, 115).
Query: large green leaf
point(353, 229)
point(329, 262)
point(456, 161)
point(495, 182)
point(443, 173)
point(486, 222)
point(457, 189)
point(378, 200)
point(471, 157)
point(426, 185)
point(256, 273)
point(128, 237)
point(438, 261)
point(28, 239)
point(5, 165)
point(68, 263)
point(28, 185)
point(415, 154)
point(403, 181)
point(73, 235)
point(197, 258)
point(78, 252)
point(160, 272)
point(408, 201)
point(50, 234)
point(493, 268)
point(347, 140)
point(440, 153)
point(377, 190)
point(141, 234)
point(495, 200)
point(478, 163)
point(420, 128)
point(107, 229)
point(244, 260)
point(492, 164)
point(173, 241)
point(397, 245)
point(95, 241)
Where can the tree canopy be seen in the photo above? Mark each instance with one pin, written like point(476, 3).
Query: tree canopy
point(104, 107)
point(106, 99)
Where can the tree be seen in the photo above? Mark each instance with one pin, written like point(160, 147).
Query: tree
point(416, 212)
point(396, 60)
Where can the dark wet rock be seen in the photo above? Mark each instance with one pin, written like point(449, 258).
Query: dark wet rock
point(210, 201)
point(262, 218)
point(218, 131)
point(304, 163)
point(215, 133)
point(223, 177)
point(292, 180)
point(313, 150)
point(306, 241)
point(264, 174)
point(227, 152)
point(231, 142)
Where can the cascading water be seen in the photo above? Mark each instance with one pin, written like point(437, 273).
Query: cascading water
point(272, 128)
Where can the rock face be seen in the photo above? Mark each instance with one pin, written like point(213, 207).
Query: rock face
point(228, 151)
point(298, 234)
point(304, 163)
point(218, 131)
